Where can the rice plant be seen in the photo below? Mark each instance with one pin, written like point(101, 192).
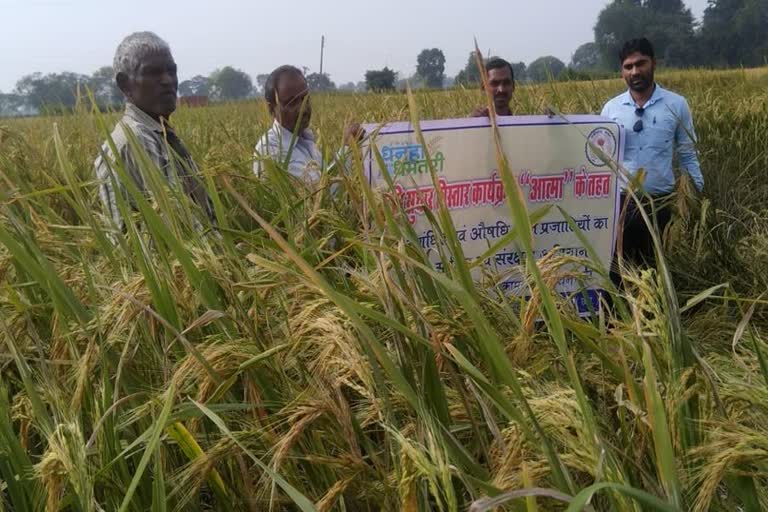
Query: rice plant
point(310, 358)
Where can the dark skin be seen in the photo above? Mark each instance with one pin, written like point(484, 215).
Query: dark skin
point(294, 108)
point(153, 86)
point(638, 70)
point(501, 86)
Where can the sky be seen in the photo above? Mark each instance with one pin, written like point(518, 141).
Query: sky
point(257, 36)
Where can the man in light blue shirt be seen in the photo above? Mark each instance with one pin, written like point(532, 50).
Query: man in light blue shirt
point(658, 124)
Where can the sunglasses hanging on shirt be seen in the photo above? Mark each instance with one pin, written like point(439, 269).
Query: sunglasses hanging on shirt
point(639, 112)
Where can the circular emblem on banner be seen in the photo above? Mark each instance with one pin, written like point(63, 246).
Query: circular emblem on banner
point(604, 140)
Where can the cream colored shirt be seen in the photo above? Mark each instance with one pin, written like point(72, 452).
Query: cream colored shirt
point(300, 154)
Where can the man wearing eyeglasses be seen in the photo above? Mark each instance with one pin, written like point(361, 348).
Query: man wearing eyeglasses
point(290, 142)
point(657, 124)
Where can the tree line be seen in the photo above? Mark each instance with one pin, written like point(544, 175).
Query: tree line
point(731, 33)
point(61, 91)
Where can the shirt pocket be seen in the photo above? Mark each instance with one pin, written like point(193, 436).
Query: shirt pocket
point(630, 137)
point(662, 131)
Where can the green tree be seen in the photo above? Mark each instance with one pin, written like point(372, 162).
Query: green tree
point(734, 33)
point(320, 82)
point(672, 32)
point(520, 71)
point(11, 105)
point(470, 75)
point(104, 87)
point(668, 6)
point(229, 83)
point(587, 57)
point(545, 68)
point(667, 23)
point(261, 80)
point(196, 86)
point(618, 22)
point(414, 81)
point(430, 65)
point(54, 91)
point(380, 80)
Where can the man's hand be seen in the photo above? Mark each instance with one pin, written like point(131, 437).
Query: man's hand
point(353, 133)
point(480, 112)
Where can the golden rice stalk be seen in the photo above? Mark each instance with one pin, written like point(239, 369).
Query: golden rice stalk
point(406, 485)
point(730, 450)
point(64, 462)
point(84, 372)
point(186, 441)
point(52, 472)
point(21, 411)
point(202, 467)
point(300, 420)
point(327, 502)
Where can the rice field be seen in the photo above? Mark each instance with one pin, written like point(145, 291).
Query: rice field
point(309, 359)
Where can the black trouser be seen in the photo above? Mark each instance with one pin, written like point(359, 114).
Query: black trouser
point(635, 240)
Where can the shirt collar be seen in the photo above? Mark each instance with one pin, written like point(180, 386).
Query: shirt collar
point(658, 92)
point(286, 134)
point(140, 117)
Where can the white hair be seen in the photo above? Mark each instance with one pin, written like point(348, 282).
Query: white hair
point(134, 48)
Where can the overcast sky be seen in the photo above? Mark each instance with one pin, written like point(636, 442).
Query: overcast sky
point(257, 36)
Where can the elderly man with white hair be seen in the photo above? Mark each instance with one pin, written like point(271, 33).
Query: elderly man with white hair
point(146, 74)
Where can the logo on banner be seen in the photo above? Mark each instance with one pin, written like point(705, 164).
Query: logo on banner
point(604, 140)
point(410, 159)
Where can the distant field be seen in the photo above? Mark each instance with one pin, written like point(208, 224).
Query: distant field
point(175, 371)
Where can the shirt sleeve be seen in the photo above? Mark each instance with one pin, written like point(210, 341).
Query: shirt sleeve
point(109, 182)
point(109, 186)
point(260, 152)
point(685, 141)
point(606, 112)
point(342, 157)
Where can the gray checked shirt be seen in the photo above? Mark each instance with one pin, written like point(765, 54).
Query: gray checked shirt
point(157, 142)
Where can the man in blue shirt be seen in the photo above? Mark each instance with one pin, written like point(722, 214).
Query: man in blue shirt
point(658, 124)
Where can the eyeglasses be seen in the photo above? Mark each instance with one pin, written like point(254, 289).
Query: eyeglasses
point(296, 102)
point(639, 124)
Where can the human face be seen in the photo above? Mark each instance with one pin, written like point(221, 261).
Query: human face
point(501, 86)
point(638, 70)
point(154, 86)
point(293, 110)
